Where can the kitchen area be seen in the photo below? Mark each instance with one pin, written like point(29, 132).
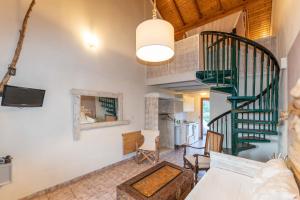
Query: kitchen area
point(180, 119)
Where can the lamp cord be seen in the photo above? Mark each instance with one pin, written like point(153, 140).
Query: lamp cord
point(154, 11)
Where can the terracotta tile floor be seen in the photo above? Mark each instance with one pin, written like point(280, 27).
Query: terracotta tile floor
point(102, 185)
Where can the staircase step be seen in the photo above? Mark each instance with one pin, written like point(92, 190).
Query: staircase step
point(227, 151)
point(213, 80)
point(226, 89)
point(254, 121)
point(253, 139)
point(245, 146)
point(208, 74)
point(255, 131)
point(241, 99)
point(252, 111)
point(202, 74)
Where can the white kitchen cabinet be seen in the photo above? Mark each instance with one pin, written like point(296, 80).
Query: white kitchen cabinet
point(186, 133)
point(183, 135)
point(5, 174)
point(196, 131)
point(188, 104)
point(178, 135)
point(192, 133)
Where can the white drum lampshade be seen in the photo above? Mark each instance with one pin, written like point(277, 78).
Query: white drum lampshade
point(155, 40)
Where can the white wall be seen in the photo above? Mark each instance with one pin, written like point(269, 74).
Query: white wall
point(225, 24)
point(241, 27)
point(196, 114)
point(55, 58)
point(263, 151)
point(286, 24)
point(286, 27)
point(218, 104)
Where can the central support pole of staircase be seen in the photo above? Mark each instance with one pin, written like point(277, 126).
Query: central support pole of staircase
point(234, 136)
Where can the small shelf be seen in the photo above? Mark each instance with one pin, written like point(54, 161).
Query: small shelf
point(103, 124)
point(5, 174)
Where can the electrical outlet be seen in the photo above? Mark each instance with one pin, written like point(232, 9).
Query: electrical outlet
point(284, 63)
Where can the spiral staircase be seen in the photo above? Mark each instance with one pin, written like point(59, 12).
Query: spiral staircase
point(109, 104)
point(249, 74)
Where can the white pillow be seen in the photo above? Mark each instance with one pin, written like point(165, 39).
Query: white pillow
point(275, 182)
point(272, 168)
point(279, 187)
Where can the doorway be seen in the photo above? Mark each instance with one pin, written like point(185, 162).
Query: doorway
point(205, 116)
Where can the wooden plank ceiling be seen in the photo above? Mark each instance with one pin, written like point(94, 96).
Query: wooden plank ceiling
point(186, 15)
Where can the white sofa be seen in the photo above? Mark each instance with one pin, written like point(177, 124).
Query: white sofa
point(234, 178)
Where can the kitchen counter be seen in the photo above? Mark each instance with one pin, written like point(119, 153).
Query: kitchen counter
point(186, 124)
point(191, 122)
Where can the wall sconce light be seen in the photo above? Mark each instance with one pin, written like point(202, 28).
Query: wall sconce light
point(91, 40)
point(204, 94)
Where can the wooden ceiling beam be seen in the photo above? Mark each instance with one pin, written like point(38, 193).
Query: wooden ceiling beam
point(218, 15)
point(220, 5)
point(198, 9)
point(179, 12)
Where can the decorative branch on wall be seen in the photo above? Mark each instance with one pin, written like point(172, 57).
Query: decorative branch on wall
point(13, 65)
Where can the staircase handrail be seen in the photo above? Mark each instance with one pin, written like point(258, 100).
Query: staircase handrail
point(241, 106)
point(249, 42)
point(246, 40)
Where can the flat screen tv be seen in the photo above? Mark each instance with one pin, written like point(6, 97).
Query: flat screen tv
point(22, 97)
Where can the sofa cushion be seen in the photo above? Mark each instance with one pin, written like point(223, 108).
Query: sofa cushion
point(222, 184)
point(279, 187)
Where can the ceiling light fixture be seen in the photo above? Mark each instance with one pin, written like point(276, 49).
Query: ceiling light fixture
point(155, 39)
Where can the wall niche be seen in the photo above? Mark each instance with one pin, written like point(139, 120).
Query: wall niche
point(96, 109)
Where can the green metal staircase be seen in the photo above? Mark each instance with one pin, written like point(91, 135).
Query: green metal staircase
point(109, 104)
point(249, 74)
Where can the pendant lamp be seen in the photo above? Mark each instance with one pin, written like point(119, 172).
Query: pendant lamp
point(155, 39)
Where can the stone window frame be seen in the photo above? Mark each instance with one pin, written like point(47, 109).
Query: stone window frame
point(78, 127)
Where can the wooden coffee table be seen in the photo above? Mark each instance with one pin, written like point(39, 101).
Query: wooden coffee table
point(165, 181)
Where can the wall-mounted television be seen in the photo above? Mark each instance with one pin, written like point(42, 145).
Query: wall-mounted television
point(22, 97)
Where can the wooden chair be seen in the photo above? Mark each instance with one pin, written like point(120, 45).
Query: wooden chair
point(197, 162)
point(150, 148)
